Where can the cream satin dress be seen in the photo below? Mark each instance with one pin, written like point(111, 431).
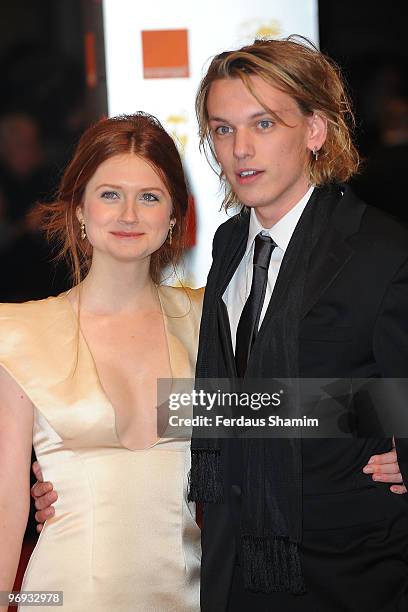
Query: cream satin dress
point(124, 537)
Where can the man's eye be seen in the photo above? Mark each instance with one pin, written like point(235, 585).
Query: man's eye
point(222, 130)
point(265, 124)
point(109, 195)
point(149, 197)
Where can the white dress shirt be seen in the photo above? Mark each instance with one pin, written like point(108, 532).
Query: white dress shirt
point(239, 287)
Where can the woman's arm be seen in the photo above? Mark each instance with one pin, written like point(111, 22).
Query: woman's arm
point(16, 434)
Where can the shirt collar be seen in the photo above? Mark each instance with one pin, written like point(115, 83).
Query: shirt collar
point(282, 231)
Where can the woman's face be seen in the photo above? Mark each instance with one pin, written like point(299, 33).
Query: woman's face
point(126, 209)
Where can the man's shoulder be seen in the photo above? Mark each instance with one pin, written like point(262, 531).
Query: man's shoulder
point(373, 228)
point(234, 223)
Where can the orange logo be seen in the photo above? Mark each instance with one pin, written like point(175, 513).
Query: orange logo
point(165, 54)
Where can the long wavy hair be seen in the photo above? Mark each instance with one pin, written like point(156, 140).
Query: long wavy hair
point(140, 134)
point(296, 67)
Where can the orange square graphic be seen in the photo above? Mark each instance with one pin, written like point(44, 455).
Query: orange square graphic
point(165, 54)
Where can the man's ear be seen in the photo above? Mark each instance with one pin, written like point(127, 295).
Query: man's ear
point(317, 132)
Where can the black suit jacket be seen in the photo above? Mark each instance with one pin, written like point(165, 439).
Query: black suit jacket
point(354, 324)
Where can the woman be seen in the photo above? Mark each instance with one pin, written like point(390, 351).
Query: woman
point(78, 378)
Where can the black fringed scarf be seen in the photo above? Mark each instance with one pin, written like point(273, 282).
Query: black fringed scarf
point(272, 474)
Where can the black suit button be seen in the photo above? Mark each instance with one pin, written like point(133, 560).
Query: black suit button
point(236, 491)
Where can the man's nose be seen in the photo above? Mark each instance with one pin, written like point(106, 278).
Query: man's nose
point(243, 145)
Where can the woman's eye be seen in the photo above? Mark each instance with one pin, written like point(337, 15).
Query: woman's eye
point(265, 124)
point(149, 197)
point(109, 195)
point(222, 130)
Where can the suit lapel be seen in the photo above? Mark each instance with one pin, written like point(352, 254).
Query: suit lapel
point(330, 256)
point(333, 251)
point(224, 332)
point(233, 252)
point(229, 261)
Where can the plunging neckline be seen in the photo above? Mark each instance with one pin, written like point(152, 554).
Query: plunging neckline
point(82, 339)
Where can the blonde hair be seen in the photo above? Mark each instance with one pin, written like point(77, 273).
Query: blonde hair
point(296, 67)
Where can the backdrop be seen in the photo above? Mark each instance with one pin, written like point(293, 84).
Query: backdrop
point(156, 53)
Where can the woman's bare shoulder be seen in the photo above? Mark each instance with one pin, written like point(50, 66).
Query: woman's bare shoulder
point(19, 321)
point(183, 296)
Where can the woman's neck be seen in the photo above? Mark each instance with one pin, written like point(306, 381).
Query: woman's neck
point(117, 289)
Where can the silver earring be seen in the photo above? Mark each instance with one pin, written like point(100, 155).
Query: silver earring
point(83, 230)
point(315, 153)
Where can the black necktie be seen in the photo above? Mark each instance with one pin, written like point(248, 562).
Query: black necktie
point(249, 320)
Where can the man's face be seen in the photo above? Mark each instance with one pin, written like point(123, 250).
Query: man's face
point(265, 162)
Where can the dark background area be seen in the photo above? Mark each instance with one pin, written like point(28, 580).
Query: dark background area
point(368, 41)
point(51, 91)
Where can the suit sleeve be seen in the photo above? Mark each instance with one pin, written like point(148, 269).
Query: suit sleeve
point(391, 347)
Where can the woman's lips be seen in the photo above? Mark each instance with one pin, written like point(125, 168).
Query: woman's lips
point(127, 235)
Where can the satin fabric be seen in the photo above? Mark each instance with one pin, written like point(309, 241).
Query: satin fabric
point(123, 536)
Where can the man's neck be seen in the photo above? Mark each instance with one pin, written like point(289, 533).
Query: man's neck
point(268, 216)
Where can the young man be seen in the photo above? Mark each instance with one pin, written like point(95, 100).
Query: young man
point(307, 282)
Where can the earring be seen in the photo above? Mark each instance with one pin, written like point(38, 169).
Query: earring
point(83, 230)
point(315, 153)
point(171, 233)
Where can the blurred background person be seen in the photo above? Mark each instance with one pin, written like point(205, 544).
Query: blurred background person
point(382, 181)
point(24, 178)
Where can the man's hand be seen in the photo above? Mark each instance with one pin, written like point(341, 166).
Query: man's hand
point(385, 468)
point(44, 496)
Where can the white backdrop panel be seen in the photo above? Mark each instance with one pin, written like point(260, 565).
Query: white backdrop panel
point(213, 26)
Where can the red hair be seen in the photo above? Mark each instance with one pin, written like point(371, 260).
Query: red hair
point(140, 134)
